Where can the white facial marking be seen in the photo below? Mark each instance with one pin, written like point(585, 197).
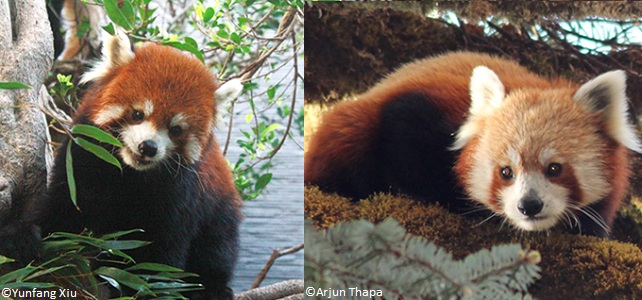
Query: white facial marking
point(108, 114)
point(552, 195)
point(133, 135)
point(513, 156)
point(590, 177)
point(193, 149)
point(146, 107)
point(179, 120)
point(481, 177)
point(149, 108)
point(546, 155)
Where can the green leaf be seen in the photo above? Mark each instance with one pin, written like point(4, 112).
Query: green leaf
point(271, 92)
point(109, 28)
point(4, 260)
point(13, 85)
point(64, 79)
point(124, 244)
point(208, 14)
point(121, 13)
point(235, 38)
point(186, 47)
point(71, 182)
point(92, 241)
point(100, 152)
point(73, 237)
point(242, 21)
point(60, 246)
point(176, 286)
point(167, 276)
point(263, 181)
point(191, 42)
point(124, 278)
point(270, 129)
point(154, 267)
point(222, 33)
point(45, 272)
point(17, 275)
point(96, 133)
point(114, 235)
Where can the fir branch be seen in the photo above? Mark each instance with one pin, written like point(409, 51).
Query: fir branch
point(383, 256)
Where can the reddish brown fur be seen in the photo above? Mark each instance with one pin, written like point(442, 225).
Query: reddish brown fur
point(172, 89)
point(351, 127)
point(618, 172)
point(497, 184)
point(181, 84)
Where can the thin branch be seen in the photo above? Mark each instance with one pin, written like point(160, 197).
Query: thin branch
point(292, 108)
point(275, 254)
point(275, 291)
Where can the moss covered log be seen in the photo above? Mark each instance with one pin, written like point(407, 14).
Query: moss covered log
point(573, 266)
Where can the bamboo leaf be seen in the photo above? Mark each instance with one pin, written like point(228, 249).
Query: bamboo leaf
point(153, 267)
point(125, 278)
point(115, 235)
point(100, 152)
point(71, 181)
point(13, 85)
point(96, 133)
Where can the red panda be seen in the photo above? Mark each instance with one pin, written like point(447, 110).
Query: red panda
point(175, 183)
point(68, 17)
point(537, 152)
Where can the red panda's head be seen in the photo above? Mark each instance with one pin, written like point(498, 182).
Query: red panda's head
point(159, 102)
point(541, 156)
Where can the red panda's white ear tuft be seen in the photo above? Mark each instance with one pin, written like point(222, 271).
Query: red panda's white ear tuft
point(606, 95)
point(486, 94)
point(486, 91)
point(228, 91)
point(117, 52)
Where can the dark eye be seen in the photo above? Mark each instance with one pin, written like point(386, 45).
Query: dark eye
point(138, 116)
point(506, 173)
point(553, 170)
point(175, 130)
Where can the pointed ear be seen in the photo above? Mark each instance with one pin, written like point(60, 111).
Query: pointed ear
point(486, 91)
point(606, 95)
point(228, 91)
point(117, 52)
point(486, 94)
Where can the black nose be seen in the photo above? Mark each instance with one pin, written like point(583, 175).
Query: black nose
point(530, 205)
point(148, 148)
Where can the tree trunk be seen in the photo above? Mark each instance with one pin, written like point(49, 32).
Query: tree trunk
point(26, 55)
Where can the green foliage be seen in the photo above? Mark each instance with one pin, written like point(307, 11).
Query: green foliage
point(13, 85)
point(68, 260)
point(64, 91)
point(384, 257)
